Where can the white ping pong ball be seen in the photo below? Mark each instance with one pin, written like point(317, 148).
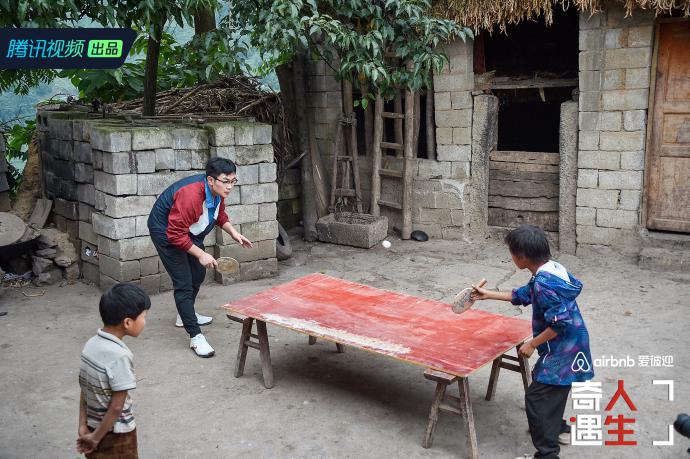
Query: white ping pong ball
point(386, 244)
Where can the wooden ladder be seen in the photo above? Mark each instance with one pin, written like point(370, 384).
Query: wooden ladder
point(348, 162)
point(404, 148)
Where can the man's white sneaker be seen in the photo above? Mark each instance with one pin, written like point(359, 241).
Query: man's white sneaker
point(564, 438)
point(201, 320)
point(201, 346)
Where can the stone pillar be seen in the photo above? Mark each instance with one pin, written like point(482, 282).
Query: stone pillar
point(567, 177)
point(484, 141)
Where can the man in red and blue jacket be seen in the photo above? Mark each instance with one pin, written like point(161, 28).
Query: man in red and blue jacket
point(179, 221)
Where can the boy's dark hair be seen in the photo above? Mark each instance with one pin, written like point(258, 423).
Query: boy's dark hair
point(122, 301)
point(216, 166)
point(530, 242)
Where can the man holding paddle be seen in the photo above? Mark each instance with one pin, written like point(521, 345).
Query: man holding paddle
point(179, 221)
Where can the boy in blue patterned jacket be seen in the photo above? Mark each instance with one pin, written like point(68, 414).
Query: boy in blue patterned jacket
point(559, 336)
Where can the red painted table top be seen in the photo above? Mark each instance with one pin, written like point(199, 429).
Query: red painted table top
point(416, 330)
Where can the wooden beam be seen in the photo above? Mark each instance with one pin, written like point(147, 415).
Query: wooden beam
point(376, 156)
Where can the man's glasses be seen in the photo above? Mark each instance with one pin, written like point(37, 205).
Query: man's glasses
point(232, 182)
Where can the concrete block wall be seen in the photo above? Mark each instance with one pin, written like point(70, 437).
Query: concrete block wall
point(615, 64)
point(289, 199)
point(105, 176)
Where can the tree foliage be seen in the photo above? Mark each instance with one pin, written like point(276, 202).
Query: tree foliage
point(357, 32)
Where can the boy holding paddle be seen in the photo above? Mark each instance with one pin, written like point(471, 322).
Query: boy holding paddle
point(560, 336)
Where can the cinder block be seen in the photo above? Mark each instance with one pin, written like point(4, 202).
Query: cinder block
point(106, 138)
point(86, 233)
point(591, 39)
point(83, 173)
point(127, 249)
point(442, 100)
point(590, 60)
point(199, 159)
point(68, 209)
point(596, 235)
point(587, 178)
point(454, 118)
point(187, 138)
point(268, 172)
point(166, 282)
point(220, 134)
point(150, 138)
point(267, 211)
point(614, 79)
point(629, 200)
point(603, 199)
point(121, 271)
point(440, 216)
point(616, 38)
point(257, 194)
point(114, 228)
point(589, 101)
point(632, 160)
point(183, 160)
point(86, 193)
point(85, 212)
point(83, 152)
point(637, 78)
point(150, 284)
point(590, 21)
point(259, 269)
point(165, 159)
point(248, 175)
point(599, 160)
point(155, 184)
point(640, 36)
point(260, 231)
point(444, 136)
point(588, 140)
point(635, 120)
point(585, 216)
point(460, 100)
point(462, 136)
point(130, 206)
point(617, 218)
point(244, 133)
point(620, 180)
point(227, 152)
point(630, 99)
point(589, 121)
point(448, 200)
point(141, 225)
point(260, 251)
point(622, 141)
point(627, 58)
point(243, 213)
point(262, 134)
point(460, 171)
point(116, 185)
point(253, 154)
point(90, 273)
point(140, 162)
point(610, 121)
point(149, 266)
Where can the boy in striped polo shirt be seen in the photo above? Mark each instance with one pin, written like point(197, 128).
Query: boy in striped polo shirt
point(106, 375)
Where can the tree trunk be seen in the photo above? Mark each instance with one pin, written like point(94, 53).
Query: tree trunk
point(204, 20)
point(368, 121)
point(285, 75)
point(430, 123)
point(308, 190)
point(151, 72)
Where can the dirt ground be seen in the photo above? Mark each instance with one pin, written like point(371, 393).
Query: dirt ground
point(325, 404)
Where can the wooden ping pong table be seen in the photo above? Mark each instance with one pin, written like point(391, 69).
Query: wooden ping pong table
point(415, 330)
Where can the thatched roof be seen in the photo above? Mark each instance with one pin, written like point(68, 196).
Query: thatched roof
point(484, 14)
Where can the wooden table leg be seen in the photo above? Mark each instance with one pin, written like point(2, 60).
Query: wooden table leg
point(265, 352)
point(312, 340)
point(340, 348)
point(242, 351)
point(468, 418)
point(524, 370)
point(493, 379)
point(433, 415)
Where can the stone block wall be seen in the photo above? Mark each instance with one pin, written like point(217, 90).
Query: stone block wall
point(289, 199)
point(105, 175)
point(615, 64)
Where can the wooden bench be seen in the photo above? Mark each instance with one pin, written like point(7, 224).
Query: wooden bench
point(259, 341)
point(461, 405)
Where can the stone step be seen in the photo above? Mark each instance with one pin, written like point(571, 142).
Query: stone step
point(669, 241)
point(659, 259)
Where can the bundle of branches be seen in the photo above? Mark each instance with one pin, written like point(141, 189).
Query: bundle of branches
point(230, 98)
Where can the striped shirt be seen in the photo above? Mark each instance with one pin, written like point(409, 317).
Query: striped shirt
point(106, 367)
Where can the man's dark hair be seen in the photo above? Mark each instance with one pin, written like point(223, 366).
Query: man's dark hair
point(122, 301)
point(530, 242)
point(216, 166)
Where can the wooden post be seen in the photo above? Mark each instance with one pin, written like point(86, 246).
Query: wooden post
point(524, 369)
point(397, 108)
point(433, 415)
point(468, 418)
point(407, 162)
point(334, 168)
point(349, 113)
point(430, 122)
point(376, 156)
point(368, 122)
point(266, 367)
point(242, 351)
point(493, 379)
point(417, 123)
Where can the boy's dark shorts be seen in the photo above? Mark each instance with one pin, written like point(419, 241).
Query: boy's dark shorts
point(117, 446)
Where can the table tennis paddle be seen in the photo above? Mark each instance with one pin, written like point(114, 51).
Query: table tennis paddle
point(463, 300)
point(227, 265)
